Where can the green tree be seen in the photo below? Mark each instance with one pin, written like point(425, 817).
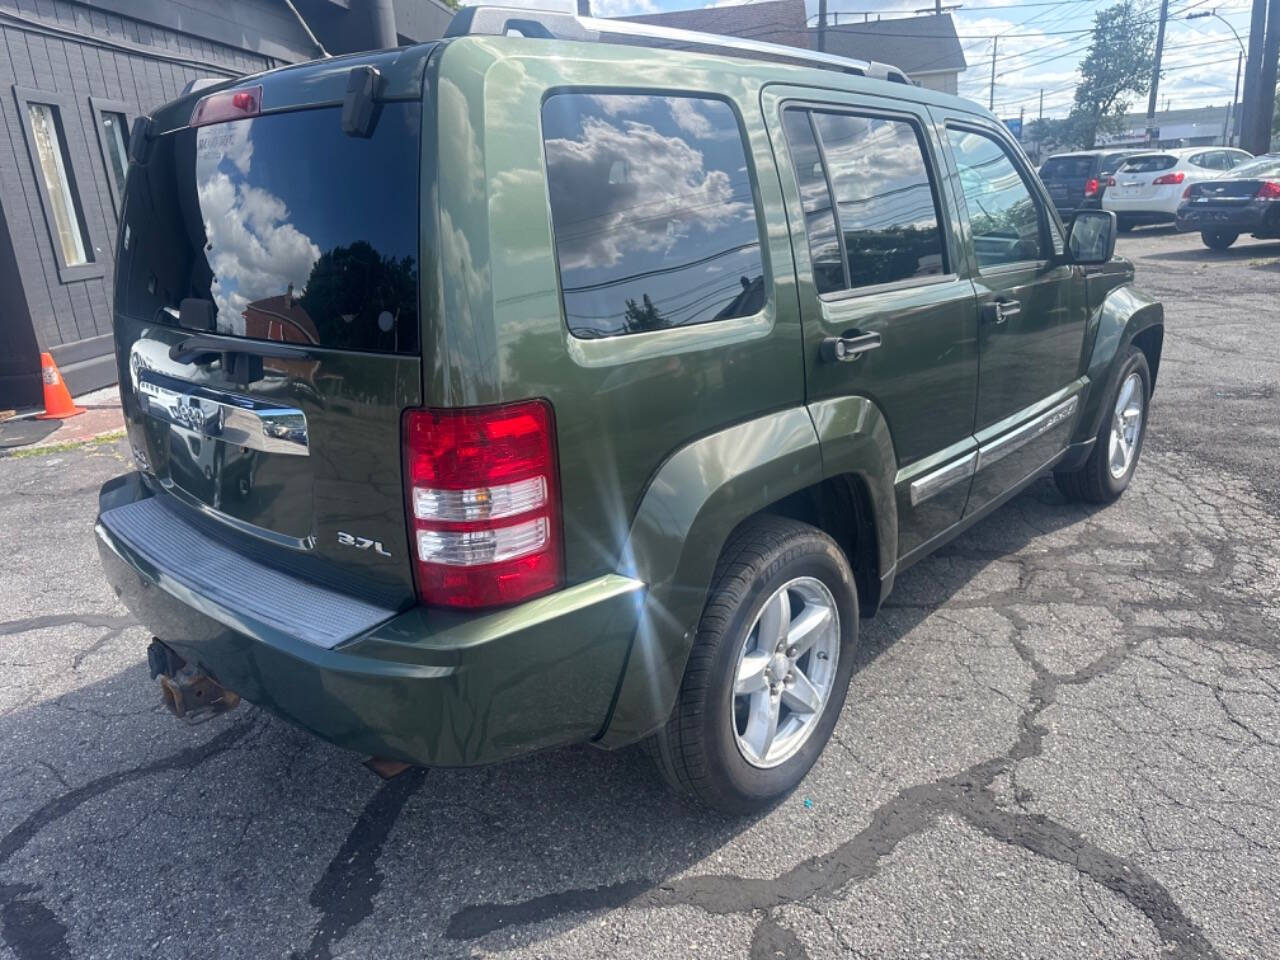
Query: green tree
point(1117, 66)
point(640, 317)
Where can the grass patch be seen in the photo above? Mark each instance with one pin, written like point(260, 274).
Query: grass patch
point(19, 452)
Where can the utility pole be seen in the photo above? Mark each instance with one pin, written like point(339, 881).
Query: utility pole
point(822, 25)
point(1229, 126)
point(1155, 75)
point(1041, 116)
point(991, 97)
point(584, 8)
point(1252, 70)
point(1266, 97)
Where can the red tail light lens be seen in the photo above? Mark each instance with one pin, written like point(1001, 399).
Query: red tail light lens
point(1186, 194)
point(1169, 178)
point(1269, 191)
point(1111, 181)
point(227, 105)
point(484, 500)
point(1091, 187)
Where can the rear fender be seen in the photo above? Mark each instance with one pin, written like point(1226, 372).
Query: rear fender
point(700, 496)
point(1125, 312)
point(692, 504)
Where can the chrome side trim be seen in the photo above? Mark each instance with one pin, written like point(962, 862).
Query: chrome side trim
point(238, 420)
point(1001, 447)
point(932, 484)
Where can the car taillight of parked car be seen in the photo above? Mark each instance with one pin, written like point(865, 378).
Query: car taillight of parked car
point(1111, 181)
point(1168, 178)
point(1186, 194)
point(1270, 190)
point(484, 503)
point(1091, 187)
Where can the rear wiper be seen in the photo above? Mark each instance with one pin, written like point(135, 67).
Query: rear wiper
point(202, 348)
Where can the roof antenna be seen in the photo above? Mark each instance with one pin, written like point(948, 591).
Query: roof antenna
point(307, 29)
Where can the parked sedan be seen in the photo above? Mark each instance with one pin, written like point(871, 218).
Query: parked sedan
point(1148, 187)
point(1245, 200)
point(1076, 181)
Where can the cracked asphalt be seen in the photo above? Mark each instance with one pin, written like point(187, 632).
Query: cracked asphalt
point(1062, 740)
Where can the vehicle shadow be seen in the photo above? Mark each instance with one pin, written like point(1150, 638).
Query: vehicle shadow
point(103, 785)
point(1197, 252)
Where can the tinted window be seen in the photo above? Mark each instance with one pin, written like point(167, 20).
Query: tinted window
point(295, 231)
point(1151, 163)
point(115, 137)
point(1067, 168)
point(1111, 161)
point(1003, 215)
point(884, 200)
point(653, 212)
point(815, 198)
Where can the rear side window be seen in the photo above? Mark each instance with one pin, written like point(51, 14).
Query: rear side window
point(1067, 168)
point(1151, 163)
point(296, 231)
point(1003, 215)
point(886, 220)
point(653, 212)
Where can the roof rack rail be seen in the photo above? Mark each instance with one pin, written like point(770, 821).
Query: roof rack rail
point(553, 25)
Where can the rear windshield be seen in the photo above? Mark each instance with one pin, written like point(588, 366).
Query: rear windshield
point(1261, 167)
point(294, 230)
point(1151, 163)
point(1067, 168)
point(1111, 161)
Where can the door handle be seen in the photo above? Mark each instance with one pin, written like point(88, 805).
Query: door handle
point(998, 311)
point(849, 347)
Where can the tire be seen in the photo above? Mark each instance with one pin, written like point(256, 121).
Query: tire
point(1095, 481)
point(1218, 239)
point(698, 751)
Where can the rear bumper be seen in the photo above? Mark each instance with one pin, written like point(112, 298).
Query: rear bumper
point(1154, 209)
point(1247, 218)
point(423, 686)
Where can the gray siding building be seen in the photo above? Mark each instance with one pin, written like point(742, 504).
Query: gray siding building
point(73, 77)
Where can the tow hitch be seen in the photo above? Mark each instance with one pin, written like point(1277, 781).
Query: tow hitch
point(187, 691)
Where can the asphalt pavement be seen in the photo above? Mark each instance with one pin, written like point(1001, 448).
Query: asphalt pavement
point(1062, 740)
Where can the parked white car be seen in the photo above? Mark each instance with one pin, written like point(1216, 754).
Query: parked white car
point(1147, 188)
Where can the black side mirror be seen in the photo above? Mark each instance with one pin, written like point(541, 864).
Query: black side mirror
point(1091, 237)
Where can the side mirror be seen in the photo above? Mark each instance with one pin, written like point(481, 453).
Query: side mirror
point(1091, 237)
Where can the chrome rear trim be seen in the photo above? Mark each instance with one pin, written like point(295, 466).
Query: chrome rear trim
point(932, 484)
point(1001, 447)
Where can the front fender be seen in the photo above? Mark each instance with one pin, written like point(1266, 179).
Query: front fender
point(1124, 313)
point(693, 503)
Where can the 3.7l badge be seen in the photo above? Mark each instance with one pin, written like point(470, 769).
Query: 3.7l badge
point(362, 543)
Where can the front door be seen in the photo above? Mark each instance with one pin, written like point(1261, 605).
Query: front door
point(886, 314)
point(1032, 310)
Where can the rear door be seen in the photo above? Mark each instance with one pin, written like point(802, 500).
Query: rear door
point(267, 328)
point(1031, 307)
point(876, 268)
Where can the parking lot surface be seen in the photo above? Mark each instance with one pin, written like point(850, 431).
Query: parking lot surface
point(1062, 740)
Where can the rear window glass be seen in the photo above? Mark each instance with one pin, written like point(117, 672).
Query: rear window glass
point(653, 212)
point(1151, 163)
point(1111, 161)
point(296, 231)
point(1067, 168)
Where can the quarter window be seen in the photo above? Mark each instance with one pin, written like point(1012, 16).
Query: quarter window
point(115, 144)
point(653, 212)
point(1003, 216)
point(59, 188)
point(883, 225)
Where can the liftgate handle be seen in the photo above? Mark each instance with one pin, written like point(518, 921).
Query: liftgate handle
point(849, 347)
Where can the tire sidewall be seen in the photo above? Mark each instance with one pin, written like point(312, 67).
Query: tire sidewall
point(746, 785)
point(1136, 361)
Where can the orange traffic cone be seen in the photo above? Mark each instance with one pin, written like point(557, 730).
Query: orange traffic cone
point(57, 399)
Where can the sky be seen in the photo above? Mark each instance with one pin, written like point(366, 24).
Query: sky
point(1040, 45)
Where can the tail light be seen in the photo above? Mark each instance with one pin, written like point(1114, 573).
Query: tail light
point(1111, 181)
point(1186, 194)
point(1270, 190)
point(1091, 187)
point(1168, 178)
point(484, 500)
point(227, 105)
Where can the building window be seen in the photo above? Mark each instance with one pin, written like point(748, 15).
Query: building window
point(113, 139)
point(46, 132)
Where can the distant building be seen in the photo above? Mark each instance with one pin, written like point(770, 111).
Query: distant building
point(75, 75)
point(1192, 127)
point(927, 48)
point(770, 21)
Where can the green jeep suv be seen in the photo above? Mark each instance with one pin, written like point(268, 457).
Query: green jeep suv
point(513, 391)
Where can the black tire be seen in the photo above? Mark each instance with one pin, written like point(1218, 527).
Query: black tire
point(696, 751)
point(1093, 482)
point(1123, 225)
point(1218, 239)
